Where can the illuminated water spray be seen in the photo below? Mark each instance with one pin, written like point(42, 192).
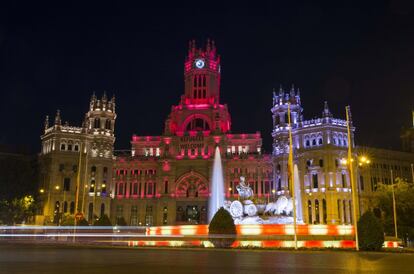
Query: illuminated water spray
point(217, 186)
point(299, 214)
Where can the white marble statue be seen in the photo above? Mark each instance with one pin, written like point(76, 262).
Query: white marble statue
point(244, 190)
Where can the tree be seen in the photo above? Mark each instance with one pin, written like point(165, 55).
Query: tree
point(371, 232)
point(103, 221)
point(17, 211)
point(67, 220)
point(404, 197)
point(82, 222)
point(221, 230)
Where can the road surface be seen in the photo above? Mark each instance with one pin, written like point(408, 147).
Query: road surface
point(76, 260)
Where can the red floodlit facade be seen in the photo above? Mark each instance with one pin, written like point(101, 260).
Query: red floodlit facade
point(165, 179)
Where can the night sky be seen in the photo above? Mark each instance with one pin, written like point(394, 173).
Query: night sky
point(55, 57)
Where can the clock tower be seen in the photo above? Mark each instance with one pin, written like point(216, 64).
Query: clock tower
point(202, 75)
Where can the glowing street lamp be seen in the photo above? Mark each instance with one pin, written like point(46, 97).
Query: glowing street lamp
point(57, 187)
point(42, 190)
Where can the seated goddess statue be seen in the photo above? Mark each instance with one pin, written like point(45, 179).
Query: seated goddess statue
point(244, 189)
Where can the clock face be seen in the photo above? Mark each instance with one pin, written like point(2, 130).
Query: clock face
point(199, 63)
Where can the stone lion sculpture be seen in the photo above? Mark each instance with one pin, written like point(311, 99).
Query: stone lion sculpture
point(282, 205)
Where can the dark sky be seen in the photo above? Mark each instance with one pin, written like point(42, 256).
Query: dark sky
point(359, 54)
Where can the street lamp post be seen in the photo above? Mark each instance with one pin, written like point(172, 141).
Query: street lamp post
point(394, 205)
point(351, 173)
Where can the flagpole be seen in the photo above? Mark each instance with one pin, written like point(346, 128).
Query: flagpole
point(351, 175)
point(291, 181)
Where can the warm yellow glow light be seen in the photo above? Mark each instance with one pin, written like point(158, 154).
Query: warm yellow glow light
point(41, 190)
point(57, 187)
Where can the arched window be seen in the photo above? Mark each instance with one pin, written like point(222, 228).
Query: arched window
point(65, 207)
point(97, 123)
point(108, 124)
point(317, 213)
point(102, 209)
point(310, 212)
point(325, 215)
point(313, 142)
point(63, 146)
point(307, 143)
point(198, 124)
point(72, 208)
point(320, 141)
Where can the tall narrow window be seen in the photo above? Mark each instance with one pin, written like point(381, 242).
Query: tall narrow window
point(344, 180)
point(97, 123)
point(65, 206)
point(361, 182)
point(90, 212)
point(317, 213)
point(134, 215)
point(325, 214)
point(102, 209)
point(344, 211)
point(72, 208)
point(310, 221)
point(315, 180)
point(339, 211)
point(166, 187)
point(66, 184)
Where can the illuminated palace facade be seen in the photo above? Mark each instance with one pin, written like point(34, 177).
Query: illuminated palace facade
point(165, 179)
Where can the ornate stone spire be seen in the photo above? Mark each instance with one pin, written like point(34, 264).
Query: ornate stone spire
point(58, 120)
point(326, 112)
point(46, 122)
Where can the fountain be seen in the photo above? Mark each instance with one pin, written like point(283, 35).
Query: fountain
point(217, 186)
point(245, 211)
point(299, 215)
